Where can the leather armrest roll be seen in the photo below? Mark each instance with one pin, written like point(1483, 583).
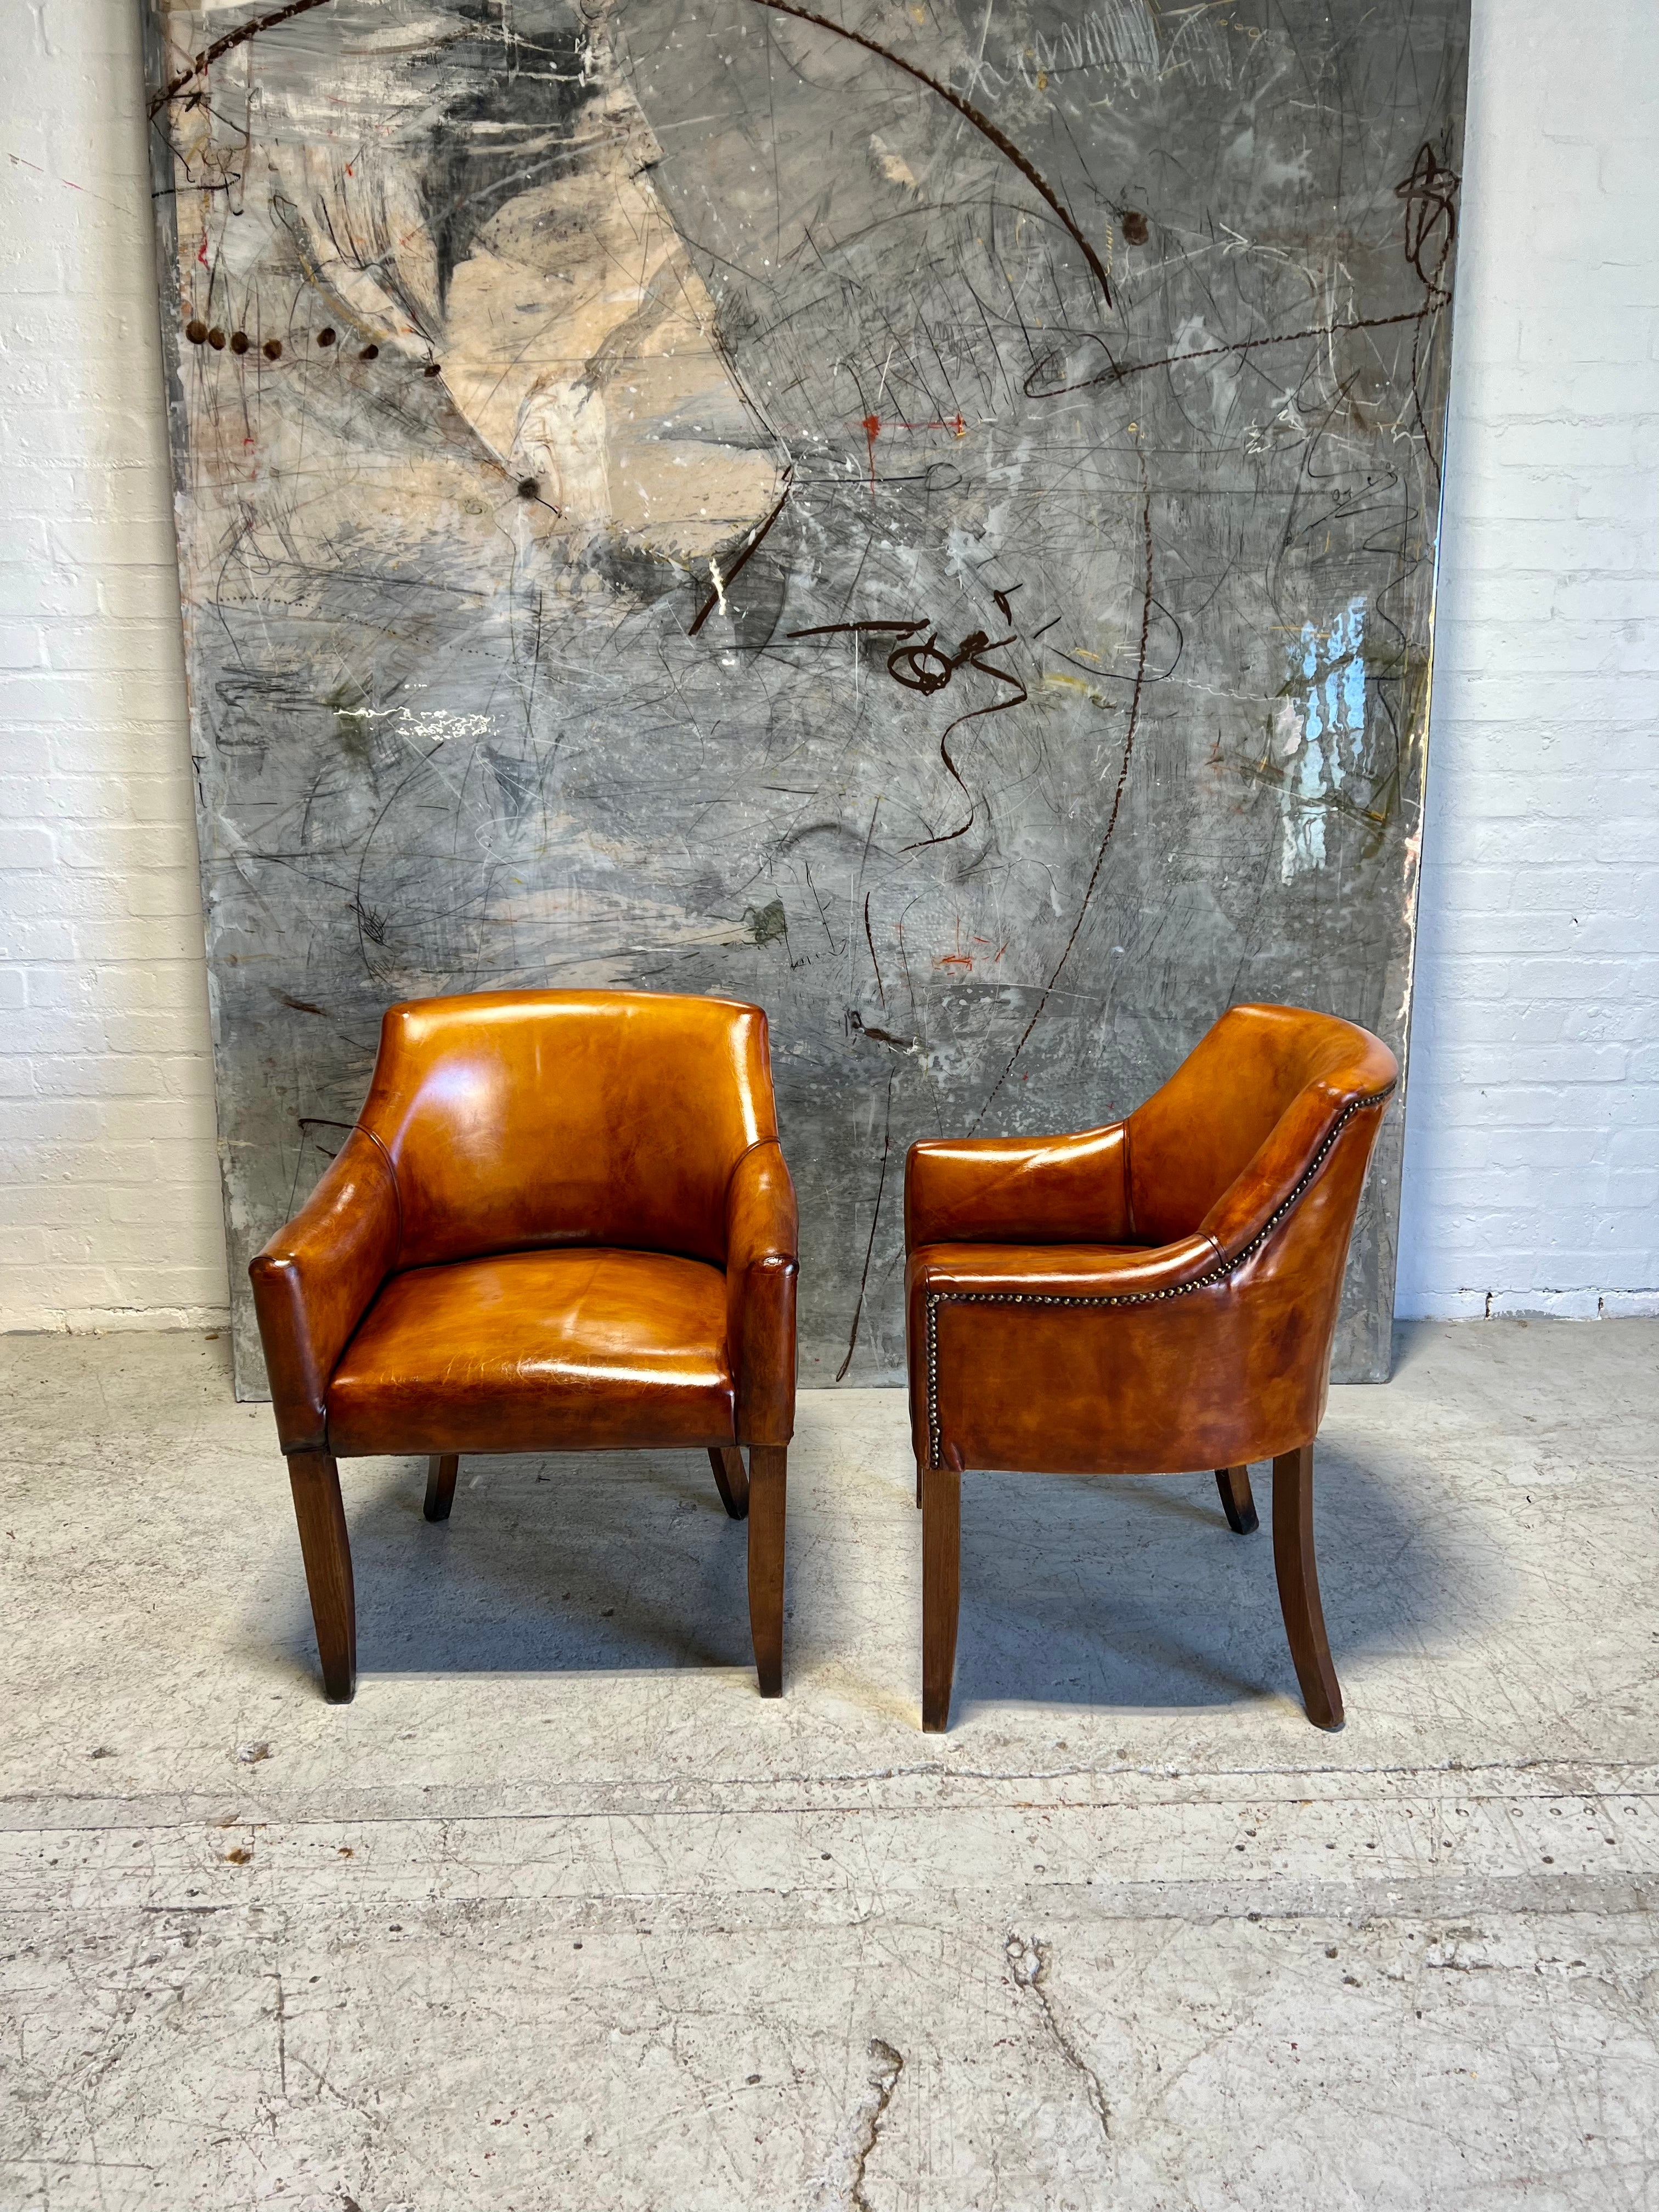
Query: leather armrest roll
point(762, 1257)
point(1015, 1190)
point(315, 1279)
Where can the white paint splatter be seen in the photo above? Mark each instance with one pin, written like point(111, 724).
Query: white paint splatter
point(436, 725)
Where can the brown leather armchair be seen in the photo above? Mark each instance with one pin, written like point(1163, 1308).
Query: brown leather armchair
point(561, 1223)
point(1146, 1298)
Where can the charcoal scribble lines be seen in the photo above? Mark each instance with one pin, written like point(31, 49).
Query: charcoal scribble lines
point(1117, 797)
point(875, 1216)
point(974, 658)
point(240, 36)
point(981, 121)
point(752, 545)
point(927, 668)
point(1118, 371)
point(1428, 195)
point(870, 939)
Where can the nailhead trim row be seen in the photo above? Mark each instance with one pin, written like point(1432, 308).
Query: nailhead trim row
point(1205, 1281)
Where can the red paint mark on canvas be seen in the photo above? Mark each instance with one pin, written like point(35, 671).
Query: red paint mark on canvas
point(871, 427)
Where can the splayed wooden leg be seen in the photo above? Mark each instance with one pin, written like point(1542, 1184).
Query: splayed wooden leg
point(731, 1479)
point(441, 1486)
point(941, 1584)
point(1236, 1501)
point(767, 1469)
point(1299, 1586)
point(325, 1547)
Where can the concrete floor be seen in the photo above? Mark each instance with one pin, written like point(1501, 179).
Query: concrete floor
point(559, 1914)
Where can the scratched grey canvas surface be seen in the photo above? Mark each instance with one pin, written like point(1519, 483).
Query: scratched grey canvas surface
point(923, 516)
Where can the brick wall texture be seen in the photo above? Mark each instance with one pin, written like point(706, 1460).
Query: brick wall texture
point(1532, 1154)
point(1532, 1161)
point(109, 1198)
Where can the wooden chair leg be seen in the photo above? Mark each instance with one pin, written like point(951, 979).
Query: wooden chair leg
point(941, 1584)
point(918, 1485)
point(441, 1486)
point(767, 1467)
point(1236, 1501)
point(1299, 1586)
point(730, 1479)
point(326, 1549)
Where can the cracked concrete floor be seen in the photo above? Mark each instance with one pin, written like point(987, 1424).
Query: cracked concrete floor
point(559, 1914)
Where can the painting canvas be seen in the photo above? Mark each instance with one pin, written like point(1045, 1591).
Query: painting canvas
point(923, 516)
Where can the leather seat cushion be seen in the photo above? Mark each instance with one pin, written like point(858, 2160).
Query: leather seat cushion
point(572, 1349)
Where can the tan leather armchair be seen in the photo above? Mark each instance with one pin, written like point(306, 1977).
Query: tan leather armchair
point(561, 1223)
point(1146, 1298)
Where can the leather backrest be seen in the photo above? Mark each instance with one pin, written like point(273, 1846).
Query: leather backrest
point(518, 1119)
point(1259, 1067)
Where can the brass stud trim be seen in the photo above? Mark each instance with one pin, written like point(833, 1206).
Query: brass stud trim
point(1207, 1280)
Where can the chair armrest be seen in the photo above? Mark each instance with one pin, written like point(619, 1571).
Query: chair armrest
point(314, 1280)
point(762, 1257)
point(1014, 1190)
point(1061, 1271)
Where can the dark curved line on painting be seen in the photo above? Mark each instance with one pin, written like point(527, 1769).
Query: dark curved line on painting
point(209, 55)
point(875, 1219)
point(742, 561)
point(1118, 371)
point(1112, 676)
point(362, 860)
point(870, 939)
point(980, 122)
point(998, 707)
point(1417, 398)
point(1429, 196)
point(311, 1121)
point(1111, 820)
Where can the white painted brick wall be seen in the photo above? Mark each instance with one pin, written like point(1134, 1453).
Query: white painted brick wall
point(1532, 1150)
point(109, 1200)
point(1532, 1164)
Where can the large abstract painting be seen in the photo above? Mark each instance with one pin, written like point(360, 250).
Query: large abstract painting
point(922, 515)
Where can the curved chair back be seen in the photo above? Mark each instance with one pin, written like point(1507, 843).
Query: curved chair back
point(518, 1119)
point(1259, 1090)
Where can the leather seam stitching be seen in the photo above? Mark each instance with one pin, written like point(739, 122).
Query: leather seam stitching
point(758, 1145)
point(397, 1189)
point(1207, 1280)
point(764, 1258)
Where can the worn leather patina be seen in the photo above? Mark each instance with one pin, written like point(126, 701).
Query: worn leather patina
point(562, 1222)
point(1150, 1298)
point(1157, 1294)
